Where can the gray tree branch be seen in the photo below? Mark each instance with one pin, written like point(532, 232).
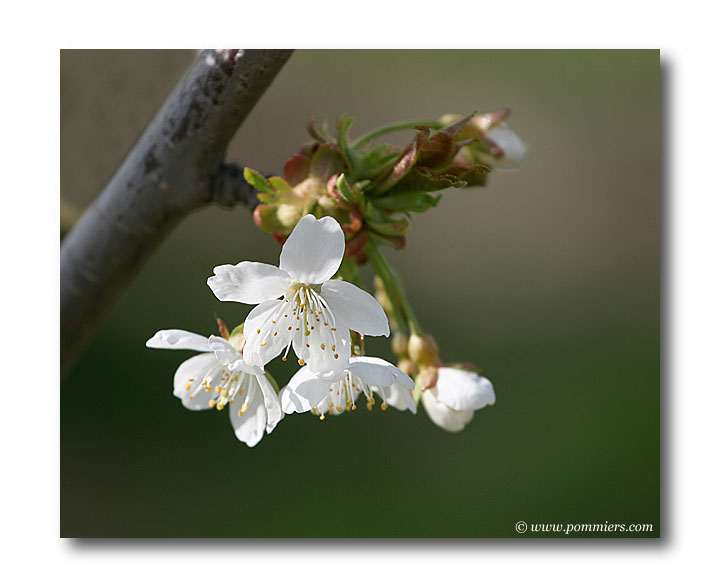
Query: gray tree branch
point(176, 167)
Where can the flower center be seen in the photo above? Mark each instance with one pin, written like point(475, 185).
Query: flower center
point(343, 394)
point(222, 387)
point(309, 323)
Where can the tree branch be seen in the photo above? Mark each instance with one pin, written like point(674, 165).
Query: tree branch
point(175, 167)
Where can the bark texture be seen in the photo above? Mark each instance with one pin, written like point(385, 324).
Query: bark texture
point(176, 167)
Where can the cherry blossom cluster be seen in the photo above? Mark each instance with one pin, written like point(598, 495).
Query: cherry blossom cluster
point(336, 204)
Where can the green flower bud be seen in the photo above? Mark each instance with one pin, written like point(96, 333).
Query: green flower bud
point(400, 344)
point(423, 350)
point(427, 378)
point(407, 366)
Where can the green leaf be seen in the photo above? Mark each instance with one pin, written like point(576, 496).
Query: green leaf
point(257, 180)
point(343, 128)
point(408, 202)
point(405, 161)
point(326, 162)
point(376, 162)
point(296, 169)
point(385, 223)
point(343, 187)
point(422, 179)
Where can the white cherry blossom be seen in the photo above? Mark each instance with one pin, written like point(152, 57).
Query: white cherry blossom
point(314, 313)
point(451, 404)
point(368, 376)
point(513, 149)
point(218, 378)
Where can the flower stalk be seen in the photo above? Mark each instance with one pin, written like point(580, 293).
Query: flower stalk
point(401, 305)
point(405, 125)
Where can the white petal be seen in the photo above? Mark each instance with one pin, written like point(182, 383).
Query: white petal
point(514, 150)
point(272, 404)
point(225, 353)
point(179, 340)
point(314, 250)
point(304, 391)
point(463, 390)
point(248, 282)
point(250, 427)
point(444, 416)
point(261, 319)
point(400, 397)
point(326, 351)
point(286, 401)
point(188, 378)
point(373, 370)
point(356, 308)
point(361, 366)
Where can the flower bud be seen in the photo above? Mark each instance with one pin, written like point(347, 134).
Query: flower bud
point(423, 350)
point(399, 344)
point(427, 378)
point(224, 332)
point(237, 338)
point(495, 144)
point(382, 296)
point(506, 148)
point(407, 366)
point(277, 218)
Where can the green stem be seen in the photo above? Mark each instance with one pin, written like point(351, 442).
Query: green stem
point(434, 124)
point(398, 297)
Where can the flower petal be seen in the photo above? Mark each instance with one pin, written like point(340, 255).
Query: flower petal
point(304, 391)
point(444, 416)
point(187, 382)
point(463, 390)
point(356, 308)
point(272, 404)
point(514, 150)
point(250, 426)
point(373, 370)
point(225, 353)
point(268, 330)
point(248, 282)
point(326, 350)
point(314, 250)
point(400, 397)
point(179, 340)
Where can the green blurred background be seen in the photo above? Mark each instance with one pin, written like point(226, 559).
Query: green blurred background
point(549, 278)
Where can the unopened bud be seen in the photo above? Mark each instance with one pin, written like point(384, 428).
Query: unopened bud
point(407, 366)
point(237, 338)
point(422, 349)
point(495, 144)
point(399, 344)
point(382, 296)
point(224, 332)
point(427, 378)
